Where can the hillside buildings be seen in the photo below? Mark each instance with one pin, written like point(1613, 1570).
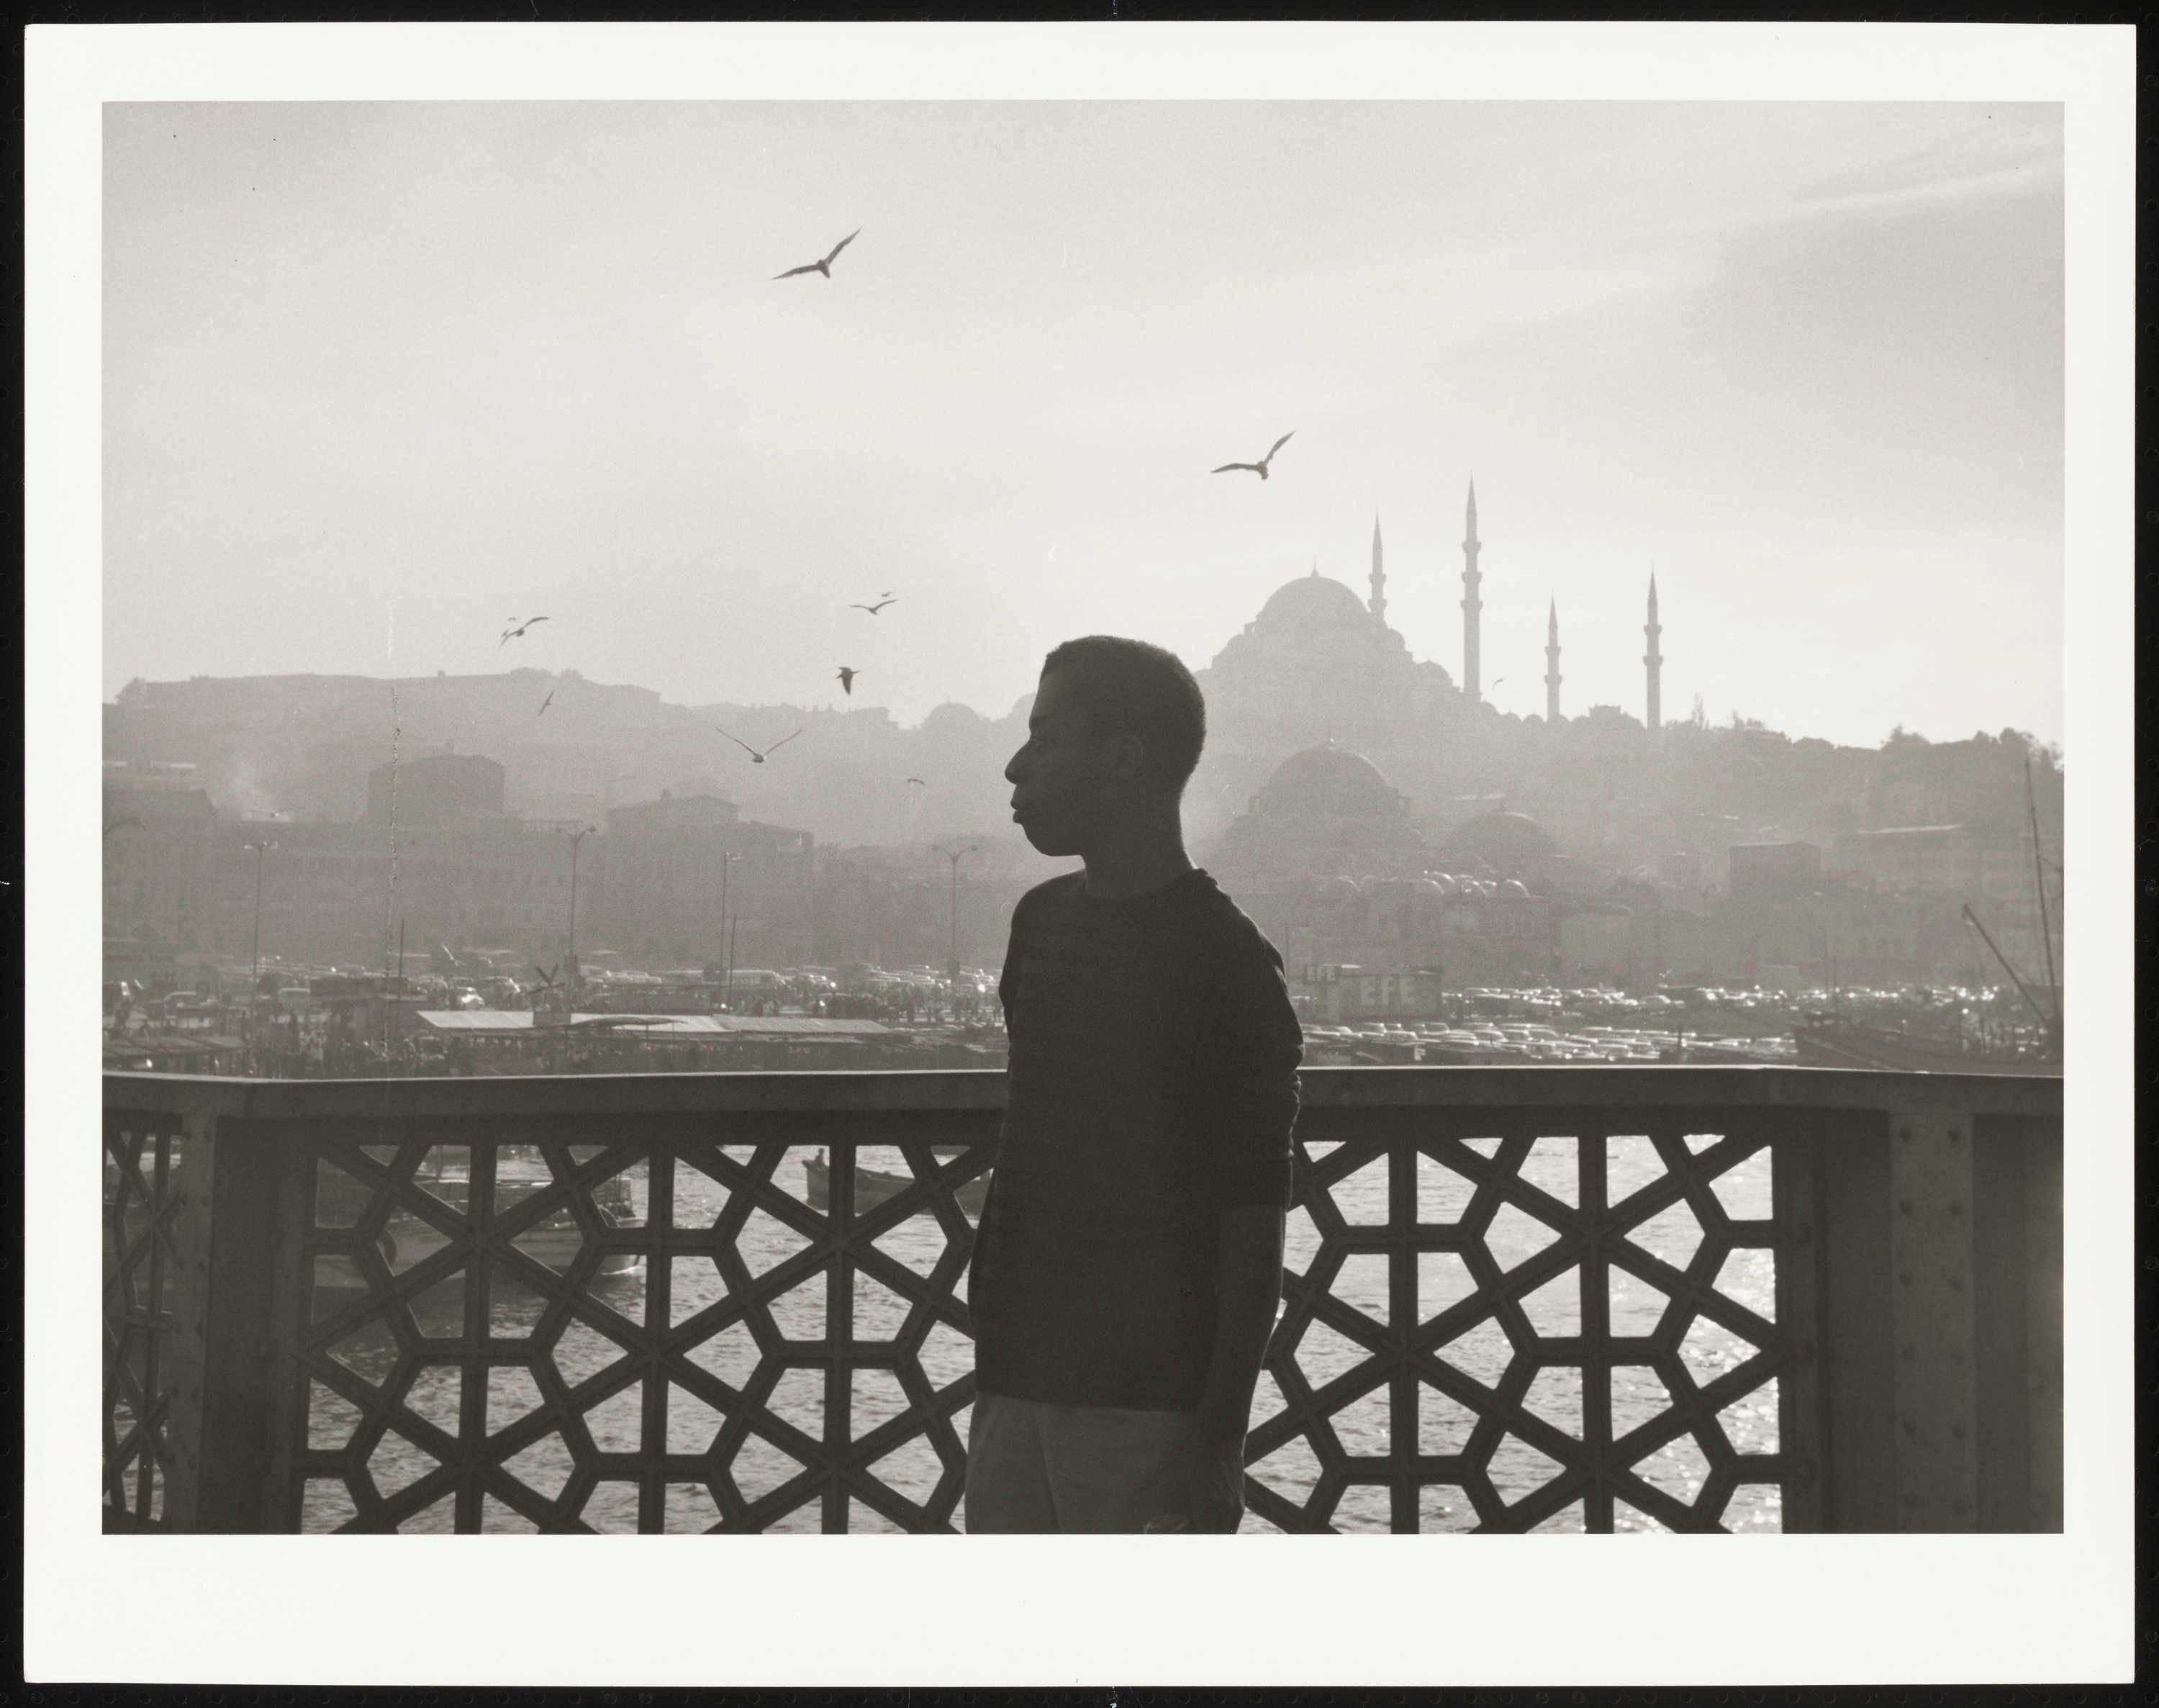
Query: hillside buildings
point(1365, 807)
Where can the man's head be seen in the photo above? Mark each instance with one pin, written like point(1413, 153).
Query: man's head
point(1116, 728)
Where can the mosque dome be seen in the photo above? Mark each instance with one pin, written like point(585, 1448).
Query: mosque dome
point(1311, 601)
point(1329, 780)
point(1504, 839)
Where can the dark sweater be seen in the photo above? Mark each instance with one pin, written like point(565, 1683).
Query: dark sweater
point(1152, 1084)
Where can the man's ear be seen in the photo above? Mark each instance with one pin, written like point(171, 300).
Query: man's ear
point(1128, 759)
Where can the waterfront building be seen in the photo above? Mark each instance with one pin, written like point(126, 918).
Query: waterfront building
point(657, 877)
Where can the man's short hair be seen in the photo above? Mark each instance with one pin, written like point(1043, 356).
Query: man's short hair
point(1133, 687)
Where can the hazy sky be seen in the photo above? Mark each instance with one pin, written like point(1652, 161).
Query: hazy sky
point(379, 376)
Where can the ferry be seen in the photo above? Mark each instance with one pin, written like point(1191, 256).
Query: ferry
point(873, 1186)
point(407, 1238)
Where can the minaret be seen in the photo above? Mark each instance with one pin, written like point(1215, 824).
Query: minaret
point(1379, 575)
point(1653, 659)
point(1551, 666)
point(1471, 604)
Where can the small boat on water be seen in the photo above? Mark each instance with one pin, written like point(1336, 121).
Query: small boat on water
point(873, 1186)
point(555, 1239)
point(407, 1238)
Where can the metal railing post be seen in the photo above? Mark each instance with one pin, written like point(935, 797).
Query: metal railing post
point(1936, 1330)
point(1937, 1402)
point(1802, 1390)
point(1856, 1351)
point(237, 1217)
point(2016, 1296)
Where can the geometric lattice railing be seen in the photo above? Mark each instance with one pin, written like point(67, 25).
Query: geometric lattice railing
point(1688, 1299)
point(645, 1337)
point(1502, 1325)
point(142, 1275)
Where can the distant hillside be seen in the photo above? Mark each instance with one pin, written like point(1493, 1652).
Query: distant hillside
point(304, 745)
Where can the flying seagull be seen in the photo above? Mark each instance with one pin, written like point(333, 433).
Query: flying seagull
point(517, 629)
point(884, 599)
point(544, 704)
point(1259, 467)
point(756, 757)
point(917, 779)
point(847, 675)
point(824, 266)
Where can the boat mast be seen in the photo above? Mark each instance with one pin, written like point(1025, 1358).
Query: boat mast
point(2039, 890)
point(2022, 987)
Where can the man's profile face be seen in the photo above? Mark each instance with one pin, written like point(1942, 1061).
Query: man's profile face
point(1060, 775)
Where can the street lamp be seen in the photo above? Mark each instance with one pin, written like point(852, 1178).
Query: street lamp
point(570, 956)
point(259, 849)
point(727, 950)
point(955, 856)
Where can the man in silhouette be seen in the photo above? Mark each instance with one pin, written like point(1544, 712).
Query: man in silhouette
point(1128, 1265)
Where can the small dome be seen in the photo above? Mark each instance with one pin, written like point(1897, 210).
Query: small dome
point(1514, 886)
point(1313, 601)
point(952, 715)
point(1340, 889)
point(1504, 839)
point(1442, 884)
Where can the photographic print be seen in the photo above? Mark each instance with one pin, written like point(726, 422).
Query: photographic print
point(1027, 816)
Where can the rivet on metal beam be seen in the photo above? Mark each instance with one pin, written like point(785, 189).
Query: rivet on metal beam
point(1910, 1428)
point(1957, 1430)
point(1956, 1283)
point(1905, 1278)
point(1905, 1205)
point(1905, 1134)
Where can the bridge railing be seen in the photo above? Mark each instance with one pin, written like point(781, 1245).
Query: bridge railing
point(1515, 1298)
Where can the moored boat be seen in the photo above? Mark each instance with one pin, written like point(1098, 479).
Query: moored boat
point(873, 1186)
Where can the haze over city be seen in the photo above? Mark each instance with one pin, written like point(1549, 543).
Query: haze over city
point(378, 377)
